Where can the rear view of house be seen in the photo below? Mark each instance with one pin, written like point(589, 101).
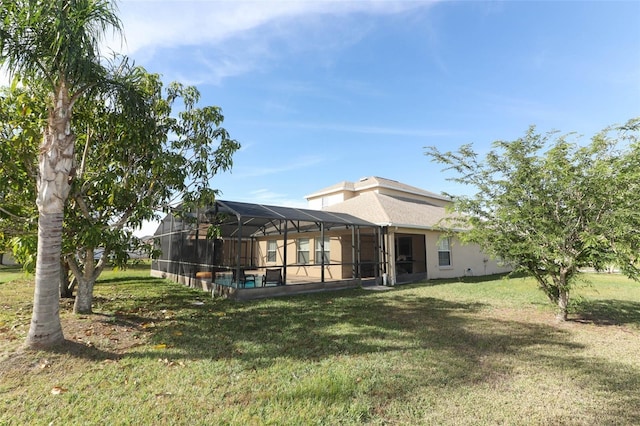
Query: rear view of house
point(374, 229)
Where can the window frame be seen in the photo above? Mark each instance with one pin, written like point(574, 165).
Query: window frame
point(444, 247)
point(319, 252)
point(300, 251)
point(272, 253)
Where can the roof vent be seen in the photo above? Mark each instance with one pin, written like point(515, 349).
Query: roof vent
point(362, 179)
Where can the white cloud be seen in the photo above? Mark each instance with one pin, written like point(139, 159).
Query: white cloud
point(174, 22)
point(242, 33)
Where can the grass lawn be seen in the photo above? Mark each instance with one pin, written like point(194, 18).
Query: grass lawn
point(449, 352)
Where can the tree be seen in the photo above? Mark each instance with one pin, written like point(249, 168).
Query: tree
point(549, 207)
point(55, 43)
point(132, 165)
point(132, 161)
point(22, 116)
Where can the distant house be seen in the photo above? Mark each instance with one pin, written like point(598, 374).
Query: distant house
point(376, 230)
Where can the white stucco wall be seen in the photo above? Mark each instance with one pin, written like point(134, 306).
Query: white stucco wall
point(466, 260)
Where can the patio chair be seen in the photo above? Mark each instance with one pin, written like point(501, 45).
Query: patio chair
point(244, 279)
point(272, 276)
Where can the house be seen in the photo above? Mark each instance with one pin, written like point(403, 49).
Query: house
point(375, 229)
point(413, 247)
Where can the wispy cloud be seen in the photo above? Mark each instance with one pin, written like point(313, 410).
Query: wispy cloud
point(290, 165)
point(243, 34)
point(150, 23)
point(359, 129)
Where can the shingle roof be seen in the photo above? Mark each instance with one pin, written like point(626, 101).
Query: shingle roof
point(376, 181)
point(392, 211)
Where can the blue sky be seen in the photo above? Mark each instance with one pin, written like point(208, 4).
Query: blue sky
point(318, 92)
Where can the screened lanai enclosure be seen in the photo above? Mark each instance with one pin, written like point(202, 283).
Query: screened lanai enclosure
point(245, 250)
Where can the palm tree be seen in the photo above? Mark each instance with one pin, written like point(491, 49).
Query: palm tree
point(54, 43)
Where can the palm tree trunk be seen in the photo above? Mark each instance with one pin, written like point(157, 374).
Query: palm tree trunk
point(45, 327)
point(55, 167)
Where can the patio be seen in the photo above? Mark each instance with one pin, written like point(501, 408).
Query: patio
point(224, 286)
point(221, 249)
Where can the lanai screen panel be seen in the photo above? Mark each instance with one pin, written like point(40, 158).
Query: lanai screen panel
point(260, 217)
point(183, 243)
point(187, 248)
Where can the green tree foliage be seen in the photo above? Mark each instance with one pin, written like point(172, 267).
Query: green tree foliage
point(131, 162)
point(132, 165)
point(550, 206)
point(18, 168)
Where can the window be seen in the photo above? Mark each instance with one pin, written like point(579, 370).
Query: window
point(444, 252)
point(325, 202)
point(320, 253)
point(272, 246)
point(303, 251)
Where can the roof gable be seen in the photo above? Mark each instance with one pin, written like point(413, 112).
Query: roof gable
point(387, 210)
point(378, 184)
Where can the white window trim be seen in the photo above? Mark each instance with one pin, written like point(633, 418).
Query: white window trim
point(298, 251)
point(274, 251)
point(443, 249)
point(318, 250)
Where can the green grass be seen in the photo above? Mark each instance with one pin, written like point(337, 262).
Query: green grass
point(10, 273)
point(447, 352)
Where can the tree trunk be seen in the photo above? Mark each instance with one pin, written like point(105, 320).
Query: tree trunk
point(55, 170)
point(86, 278)
point(45, 327)
point(563, 304)
point(66, 290)
point(84, 296)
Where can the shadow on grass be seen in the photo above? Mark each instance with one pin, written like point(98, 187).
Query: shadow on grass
point(318, 327)
point(607, 312)
point(472, 279)
point(314, 327)
point(81, 350)
point(453, 343)
point(132, 278)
